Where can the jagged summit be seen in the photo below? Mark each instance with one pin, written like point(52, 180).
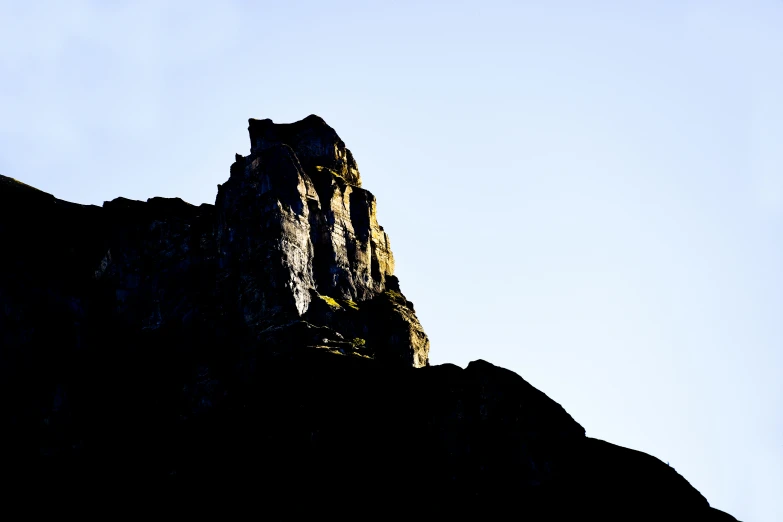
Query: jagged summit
point(315, 144)
point(291, 255)
point(302, 239)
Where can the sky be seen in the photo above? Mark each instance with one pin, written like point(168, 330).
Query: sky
point(587, 193)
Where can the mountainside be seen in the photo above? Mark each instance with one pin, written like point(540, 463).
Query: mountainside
point(259, 352)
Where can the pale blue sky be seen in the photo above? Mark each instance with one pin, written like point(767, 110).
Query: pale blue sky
point(587, 193)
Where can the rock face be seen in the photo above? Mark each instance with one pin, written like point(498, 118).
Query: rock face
point(259, 352)
point(298, 240)
point(291, 245)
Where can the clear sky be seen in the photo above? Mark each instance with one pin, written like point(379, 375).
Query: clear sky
point(587, 193)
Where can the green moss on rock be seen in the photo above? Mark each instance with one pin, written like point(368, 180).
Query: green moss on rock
point(330, 301)
point(351, 304)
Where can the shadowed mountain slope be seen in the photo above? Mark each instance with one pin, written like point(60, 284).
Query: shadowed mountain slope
point(259, 353)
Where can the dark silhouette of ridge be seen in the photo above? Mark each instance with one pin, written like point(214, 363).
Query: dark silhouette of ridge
point(258, 354)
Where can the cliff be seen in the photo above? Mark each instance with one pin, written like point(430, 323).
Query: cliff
point(259, 353)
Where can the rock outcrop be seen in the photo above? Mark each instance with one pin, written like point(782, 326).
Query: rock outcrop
point(298, 240)
point(291, 254)
point(259, 352)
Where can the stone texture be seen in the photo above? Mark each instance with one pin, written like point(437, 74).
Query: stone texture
point(294, 228)
point(317, 145)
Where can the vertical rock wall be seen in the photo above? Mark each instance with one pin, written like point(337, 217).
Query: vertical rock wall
point(298, 237)
point(290, 255)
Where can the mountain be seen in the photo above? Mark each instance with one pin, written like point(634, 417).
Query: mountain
point(259, 354)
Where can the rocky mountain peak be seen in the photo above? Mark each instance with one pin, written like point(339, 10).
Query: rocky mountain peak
point(316, 145)
point(260, 352)
point(291, 255)
point(301, 241)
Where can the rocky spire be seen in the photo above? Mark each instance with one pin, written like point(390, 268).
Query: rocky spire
point(290, 256)
point(298, 239)
point(317, 145)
